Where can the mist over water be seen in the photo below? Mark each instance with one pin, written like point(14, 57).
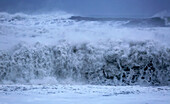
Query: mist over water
point(88, 51)
point(107, 8)
point(110, 42)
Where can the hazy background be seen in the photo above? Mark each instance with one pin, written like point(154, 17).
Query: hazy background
point(113, 8)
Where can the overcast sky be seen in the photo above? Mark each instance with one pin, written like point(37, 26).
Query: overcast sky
point(88, 7)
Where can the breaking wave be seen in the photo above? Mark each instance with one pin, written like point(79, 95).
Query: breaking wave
point(65, 17)
point(109, 63)
point(59, 48)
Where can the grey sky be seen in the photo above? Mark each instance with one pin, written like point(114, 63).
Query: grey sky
point(88, 7)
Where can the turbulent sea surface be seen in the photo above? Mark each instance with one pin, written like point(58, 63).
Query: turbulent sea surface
point(63, 48)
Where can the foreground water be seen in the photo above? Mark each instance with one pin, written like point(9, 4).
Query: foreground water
point(84, 94)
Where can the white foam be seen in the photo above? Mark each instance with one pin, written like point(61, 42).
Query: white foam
point(94, 42)
point(50, 28)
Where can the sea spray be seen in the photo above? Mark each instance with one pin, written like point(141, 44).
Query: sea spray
point(108, 63)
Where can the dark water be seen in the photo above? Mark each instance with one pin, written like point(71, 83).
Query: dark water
point(143, 22)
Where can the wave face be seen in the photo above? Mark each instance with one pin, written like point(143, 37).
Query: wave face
point(109, 63)
point(132, 22)
point(59, 48)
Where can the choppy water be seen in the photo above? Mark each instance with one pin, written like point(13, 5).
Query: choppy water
point(60, 48)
